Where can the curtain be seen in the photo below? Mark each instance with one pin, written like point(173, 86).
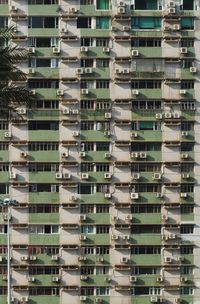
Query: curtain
point(187, 23)
point(146, 22)
point(102, 23)
point(103, 4)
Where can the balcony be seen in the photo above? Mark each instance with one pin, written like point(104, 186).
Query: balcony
point(92, 299)
point(188, 259)
point(40, 239)
point(5, 10)
point(44, 51)
point(147, 75)
point(94, 198)
point(43, 32)
point(41, 218)
point(147, 135)
point(45, 280)
point(50, 73)
point(95, 280)
point(97, 93)
point(146, 260)
point(4, 177)
point(95, 32)
point(97, 73)
point(146, 218)
point(93, 136)
point(46, 93)
point(149, 93)
point(146, 239)
point(2, 136)
point(38, 10)
point(150, 156)
point(148, 197)
point(97, 239)
point(3, 239)
point(45, 259)
point(97, 218)
point(147, 33)
point(43, 197)
point(44, 156)
point(188, 115)
point(97, 259)
point(44, 299)
point(42, 177)
point(43, 114)
point(90, 10)
point(43, 135)
point(95, 52)
point(97, 177)
point(93, 114)
point(96, 156)
point(4, 156)
point(187, 217)
point(186, 74)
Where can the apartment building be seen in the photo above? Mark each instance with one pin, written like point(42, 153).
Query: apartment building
point(105, 164)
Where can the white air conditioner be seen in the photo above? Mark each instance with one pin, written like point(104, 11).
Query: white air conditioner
point(75, 111)
point(126, 71)
point(33, 92)
point(128, 217)
point(135, 176)
point(107, 155)
point(108, 115)
point(31, 279)
point(183, 50)
point(14, 9)
point(83, 298)
point(126, 237)
point(121, 3)
point(172, 236)
point(56, 50)
point(79, 70)
point(107, 175)
point(114, 237)
point(107, 195)
point(113, 28)
point(183, 195)
point(99, 259)
point(55, 279)
point(124, 260)
point(84, 49)
point(121, 10)
point(75, 133)
point(193, 69)
point(98, 300)
point(157, 176)
point(55, 257)
point(126, 28)
point(66, 175)
point(154, 299)
point(60, 92)
point(23, 154)
point(184, 155)
point(143, 155)
point(135, 53)
point(182, 92)
point(185, 175)
point(184, 133)
point(84, 278)
point(134, 134)
point(31, 71)
point(82, 237)
point(164, 217)
point(118, 71)
point(134, 195)
point(64, 155)
point(64, 30)
point(158, 116)
point(106, 50)
point(21, 111)
point(7, 134)
point(176, 27)
point(84, 175)
point(88, 70)
point(82, 258)
point(32, 258)
point(58, 175)
point(106, 133)
point(12, 175)
point(172, 4)
point(172, 10)
point(133, 279)
point(159, 279)
point(24, 258)
point(82, 154)
point(24, 299)
point(31, 50)
point(12, 300)
point(176, 115)
point(159, 195)
point(168, 115)
point(84, 91)
point(82, 217)
point(177, 300)
point(66, 111)
point(134, 155)
point(167, 259)
point(135, 92)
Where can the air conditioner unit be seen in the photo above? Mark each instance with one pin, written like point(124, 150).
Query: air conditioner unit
point(31, 50)
point(135, 92)
point(158, 116)
point(23, 154)
point(31, 71)
point(55, 279)
point(114, 237)
point(126, 71)
point(124, 260)
point(84, 175)
point(88, 70)
point(66, 175)
point(176, 115)
point(118, 71)
point(32, 258)
point(24, 258)
point(64, 155)
point(106, 50)
point(5, 218)
point(107, 155)
point(107, 279)
point(108, 115)
point(84, 91)
point(7, 134)
point(167, 28)
point(66, 111)
point(83, 298)
point(154, 299)
point(84, 278)
point(12, 175)
point(14, 8)
point(108, 195)
point(182, 92)
point(176, 27)
point(55, 257)
point(159, 195)
point(107, 175)
point(183, 195)
point(101, 260)
point(21, 111)
point(164, 217)
point(84, 49)
point(168, 115)
point(82, 237)
point(126, 28)
point(73, 10)
point(79, 71)
point(24, 299)
point(134, 134)
point(106, 133)
point(82, 217)
point(157, 176)
point(135, 176)
point(184, 50)
point(121, 10)
point(126, 237)
point(184, 155)
point(143, 155)
point(193, 69)
point(172, 10)
point(60, 92)
point(75, 111)
point(184, 279)
point(64, 30)
point(33, 92)
point(172, 4)
point(12, 300)
point(115, 218)
point(58, 175)
point(185, 175)
point(74, 198)
point(121, 3)
point(82, 258)
point(113, 28)
point(133, 279)
point(98, 300)
point(177, 300)
point(56, 50)
point(135, 155)
point(134, 195)
point(82, 154)
point(172, 236)
point(135, 53)
point(75, 133)
point(159, 279)
point(184, 133)
point(167, 259)
point(31, 279)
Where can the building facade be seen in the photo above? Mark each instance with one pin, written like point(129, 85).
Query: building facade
point(105, 164)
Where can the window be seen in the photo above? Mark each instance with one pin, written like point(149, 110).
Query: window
point(87, 270)
point(187, 63)
point(3, 1)
point(43, 188)
point(187, 167)
point(4, 189)
point(102, 63)
point(188, 5)
point(154, 229)
point(187, 42)
point(84, 22)
point(87, 2)
point(146, 84)
point(87, 41)
point(146, 188)
point(146, 42)
point(102, 42)
point(3, 22)
point(187, 84)
point(186, 209)
point(103, 4)
point(88, 250)
point(187, 188)
point(187, 250)
point(43, 270)
point(187, 290)
point(102, 23)
point(3, 249)
point(102, 146)
point(87, 209)
point(188, 105)
point(43, 125)
point(102, 84)
point(40, 62)
point(145, 250)
point(148, 146)
point(142, 167)
point(87, 63)
point(3, 229)
point(187, 146)
point(146, 23)
point(43, 83)
point(146, 104)
point(103, 250)
point(42, 2)
point(146, 4)
point(37, 146)
point(3, 125)
point(103, 105)
point(45, 104)
point(44, 229)
point(102, 291)
point(187, 270)
point(86, 229)
point(187, 229)
point(145, 209)
point(43, 41)
point(101, 270)
point(145, 270)
point(87, 291)
point(43, 22)
point(4, 146)
point(187, 23)
point(149, 125)
point(102, 229)
point(43, 209)
point(34, 291)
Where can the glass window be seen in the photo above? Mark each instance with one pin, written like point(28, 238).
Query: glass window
point(102, 23)
point(187, 23)
point(103, 4)
point(146, 23)
point(146, 4)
